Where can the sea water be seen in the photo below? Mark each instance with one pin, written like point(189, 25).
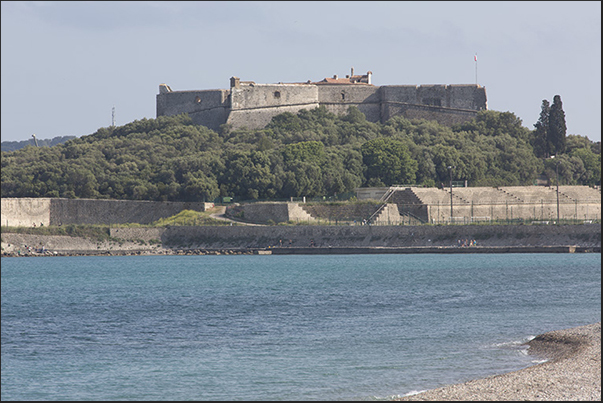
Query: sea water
point(241, 327)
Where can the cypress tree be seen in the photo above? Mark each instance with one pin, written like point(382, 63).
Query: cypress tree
point(541, 134)
point(557, 127)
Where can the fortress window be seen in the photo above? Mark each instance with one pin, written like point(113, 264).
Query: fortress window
point(343, 96)
point(197, 100)
point(277, 94)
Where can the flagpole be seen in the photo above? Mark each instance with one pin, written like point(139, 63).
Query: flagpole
point(475, 58)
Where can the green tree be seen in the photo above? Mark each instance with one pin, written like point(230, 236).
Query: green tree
point(302, 179)
point(592, 166)
point(557, 127)
point(247, 174)
point(354, 115)
point(540, 140)
point(309, 151)
point(389, 161)
point(198, 187)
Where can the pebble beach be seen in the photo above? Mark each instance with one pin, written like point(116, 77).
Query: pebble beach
point(572, 372)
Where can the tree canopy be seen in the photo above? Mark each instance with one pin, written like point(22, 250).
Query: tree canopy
point(311, 153)
point(557, 128)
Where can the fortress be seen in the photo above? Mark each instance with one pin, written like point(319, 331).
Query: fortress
point(251, 105)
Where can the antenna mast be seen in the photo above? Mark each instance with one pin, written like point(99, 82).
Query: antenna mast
point(113, 116)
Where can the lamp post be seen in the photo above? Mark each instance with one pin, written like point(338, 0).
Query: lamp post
point(557, 179)
point(450, 168)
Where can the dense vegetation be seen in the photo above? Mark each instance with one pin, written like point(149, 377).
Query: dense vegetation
point(313, 153)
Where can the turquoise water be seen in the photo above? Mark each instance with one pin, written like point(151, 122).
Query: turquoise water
point(336, 327)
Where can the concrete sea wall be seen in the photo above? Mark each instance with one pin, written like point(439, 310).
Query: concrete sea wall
point(365, 235)
point(314, 239)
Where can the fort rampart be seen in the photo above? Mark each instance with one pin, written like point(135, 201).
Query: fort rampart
point(466, 205)
point(415, 205)
point(27, 212)
point(403, 206)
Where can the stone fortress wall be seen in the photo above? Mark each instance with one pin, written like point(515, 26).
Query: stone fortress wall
point(253, 105)
point(24, 212)
point(405, 205)
point(27, 211)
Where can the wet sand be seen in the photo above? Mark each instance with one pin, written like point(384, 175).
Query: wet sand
point(572, 372)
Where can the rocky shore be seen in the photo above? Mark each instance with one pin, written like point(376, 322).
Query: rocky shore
point(572, 372)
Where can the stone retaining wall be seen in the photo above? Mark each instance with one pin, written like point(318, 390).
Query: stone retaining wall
point(27, 211)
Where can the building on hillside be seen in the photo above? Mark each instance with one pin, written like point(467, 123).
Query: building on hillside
point(253, 105)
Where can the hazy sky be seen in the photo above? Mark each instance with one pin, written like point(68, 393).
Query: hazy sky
point(65, 65)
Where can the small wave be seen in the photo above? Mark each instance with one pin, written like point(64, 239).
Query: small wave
point(414, 392)
point(518, 344)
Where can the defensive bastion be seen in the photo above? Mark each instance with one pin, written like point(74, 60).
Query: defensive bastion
point(416, 205)
point(389, 206)
point(252, 105)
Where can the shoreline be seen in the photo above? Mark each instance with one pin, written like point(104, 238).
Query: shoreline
point(572, 372)
point(134, 251)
